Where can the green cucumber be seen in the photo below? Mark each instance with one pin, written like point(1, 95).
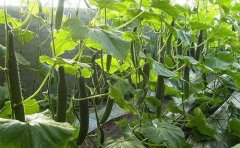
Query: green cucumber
point(59, 14)
point(62, 96)
point(169, 43)
point(160, 84)
point(199, 45)
point(186, 82)
point(107, 111)
point(14, 79)
point(84, 112)
point(109, 60)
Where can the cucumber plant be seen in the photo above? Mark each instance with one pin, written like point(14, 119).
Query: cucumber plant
point(174, 69)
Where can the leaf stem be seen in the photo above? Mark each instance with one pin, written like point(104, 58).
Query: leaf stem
point(41, 86)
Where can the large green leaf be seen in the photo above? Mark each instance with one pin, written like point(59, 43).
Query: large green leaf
point(234, 125)
point(187, 59)
point(102, 3)
point(20, 59)
point(110, 42)
point(25, 35)
point(159, 69)
point(30, 107)
point(165, 6)
point(39, 131)
point(63, 41)
point(221, 62)
point(236, 146)
point(184, 36)
point(116, 94)
point(70, 66)
point(76, 29)
point(124, 143)
point(199, 25)
point(164, 133)
point(198, 121)
point(114, 64)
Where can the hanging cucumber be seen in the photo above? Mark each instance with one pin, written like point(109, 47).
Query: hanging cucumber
point(192, 50)
point(110, 101)
point(169, 43)
point(186, 83)
point(109, 60)
point(59, 14)
point(160, 83)
point(107, 111)
point(84, 112)
point(14, 79)
point(199, 45)
point(62, 96)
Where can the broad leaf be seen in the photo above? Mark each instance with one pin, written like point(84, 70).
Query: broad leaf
point(110, 42)
point(21, 60)
point(76, 29)
point(198, 121)
point(116, 94)
point(165, 6)
point(236, 146)
point(124, 143)
point(25, 35)
point(30, 107)
point(159, 69)
point(198, 25)
point(114, 64)
point(234, 125)
point(70, 66)
point(63, 42)
point(39, 131)
point(187, 59)
point(184, 36)
point(164, 133)
point(102, 3)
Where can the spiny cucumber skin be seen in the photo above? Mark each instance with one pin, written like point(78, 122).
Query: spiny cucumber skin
point(160, 93)
point(200, 47)
point(14, 79)
point(186, 82)
point(59, 14)
point(109, 60)
point(62, 96)
point(84, 112)
point(102, 137)
point(107, 111)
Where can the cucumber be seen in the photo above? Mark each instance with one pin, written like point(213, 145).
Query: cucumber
point(186, 82)
point(160, 85)
point(14, 79)
point(84, 112)
point(200, 47)
point(59, 14)
point(107, 111)
point(169, 43)
point(109, 60)
point(62, 96)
